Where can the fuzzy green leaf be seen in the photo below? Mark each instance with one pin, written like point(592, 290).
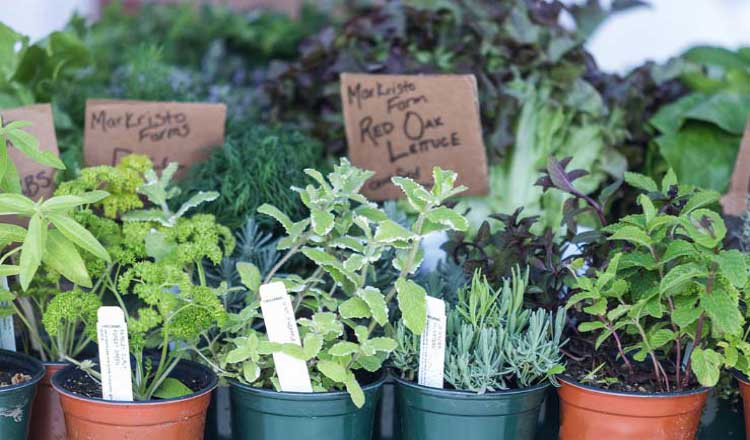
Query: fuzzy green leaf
point(706, 365)
point(280, 217)
point(389, 232)
point(677, 249)
point(413, 305)
point(733, 266)
point(250, 275)
point(723, 310)
point(332, 370)
point(660, 337)
point(322, 221)
point(355, 391)
point(632, 235)
point(641, 182)
point(354, 307)
point(448, 217)
point(680, 275)
point(343, 348)
point(376, 301)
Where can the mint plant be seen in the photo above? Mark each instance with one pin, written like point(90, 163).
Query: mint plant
point(492, 341)
point(342, 317)
point(670, 295)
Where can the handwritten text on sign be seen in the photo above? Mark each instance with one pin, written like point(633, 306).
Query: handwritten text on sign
point(37, 180)
point(165, 131)
point(404, 125)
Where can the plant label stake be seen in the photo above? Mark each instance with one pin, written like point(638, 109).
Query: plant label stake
point(281, 327)
point(735, 201)
point(114, 354)
point(7, 333)
point(432, 345)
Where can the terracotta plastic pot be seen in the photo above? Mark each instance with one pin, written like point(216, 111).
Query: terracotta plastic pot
point(589, 413)
point(182, 418)
point(744, 384)
point(438, 414)
point(49, 421)
point(261, 414)
point(15, 400)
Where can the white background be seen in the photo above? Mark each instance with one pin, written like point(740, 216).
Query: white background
point(665, 29)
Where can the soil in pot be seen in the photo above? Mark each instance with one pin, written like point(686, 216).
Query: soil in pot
point(442, 414)
point(590, 413)
point(19, 375)
point(262, 414)
point(89, 417)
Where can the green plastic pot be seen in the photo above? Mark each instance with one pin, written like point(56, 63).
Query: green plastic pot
point(15, 400)
point(438, 414)
point(261, 414)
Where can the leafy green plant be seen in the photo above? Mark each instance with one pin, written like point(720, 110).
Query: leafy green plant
point(340, 314)
point(52, 239)
point(157, 271)
point(669, 296)
point(257, 164)
point(492, 341)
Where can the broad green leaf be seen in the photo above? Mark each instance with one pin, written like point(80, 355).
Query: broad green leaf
point(343, 348)
point(280, 217)
point(311, 345)
point(370, 363)
point(250, 275)
point(706, 365)
point(67, 202)
point(733, 266)
point(196, 200)
point(649, 211)
point(618, 312)
point(448, 217)
point(322, 221)
point(416, 195)
point(29, 146)
point(78, 235)
point(250, 371)
point(632, 235)
point(641, 182)
point(591, 326)
point(705, 227)
point(679, 275)
point(16, 204)
point(382, 344)
point(376, 301)
point(239, 354)
point(700, 199)
point(389, 232)
point(677, 249)
point(685, 315)
point(63, 257)
point(32, 250)
point(413, 305)
point(669, 180)
point(332, 370)
point(172, 388)
point(159, 246)
point(660, 337)
point(354, 307)
point(10, 233)
point(8, 270)
point(355, 391)
point(599, 307)
point(723, 310)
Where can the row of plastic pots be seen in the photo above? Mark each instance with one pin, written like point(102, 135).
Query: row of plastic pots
point(424, 413)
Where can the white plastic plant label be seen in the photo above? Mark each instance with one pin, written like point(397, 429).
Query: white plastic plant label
point(432, 345)
point(281, 327)
point(114, 354)
point(7, 333)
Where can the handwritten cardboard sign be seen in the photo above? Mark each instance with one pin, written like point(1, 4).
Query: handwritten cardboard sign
point(404, 125)
point(37, 180)
point(735, 201)
point(166, 131)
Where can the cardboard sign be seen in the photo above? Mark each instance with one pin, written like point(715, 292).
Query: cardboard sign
point(166, 131)
point(281, 327)
point(735, 201)
point(404, 125)
point(432, 345)
point(114, 354)
point(37, 180)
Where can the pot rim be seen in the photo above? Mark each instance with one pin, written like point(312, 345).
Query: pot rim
point(470, 394)
point(568, 380)
point(740, 376)
point(294, 395)
point(205, 390)
point(35, 363)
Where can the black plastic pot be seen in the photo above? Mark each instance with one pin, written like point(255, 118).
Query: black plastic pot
point(261, 414)
point(437, 414)
point(721, 420)
point(15, 400)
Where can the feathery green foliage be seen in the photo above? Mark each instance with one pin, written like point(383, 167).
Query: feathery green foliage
point(257, 164)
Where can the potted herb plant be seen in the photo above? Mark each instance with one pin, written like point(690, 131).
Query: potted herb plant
point(499, 362)
point(50, 238)
point(341, 314)
point(665, 312)
point(157, 277)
